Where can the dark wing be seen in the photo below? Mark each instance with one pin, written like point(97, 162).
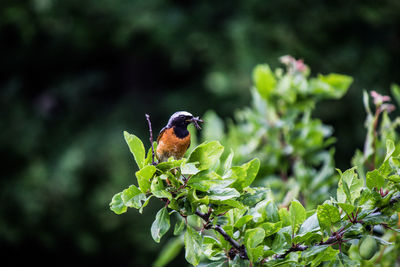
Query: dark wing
point(161, 133)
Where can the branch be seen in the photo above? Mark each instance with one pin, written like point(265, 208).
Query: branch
point(292, 249)
point(333, 239)
point(240, 248)
point(151, 138)
point(336, 236)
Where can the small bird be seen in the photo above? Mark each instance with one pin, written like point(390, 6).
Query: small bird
point(174, 139)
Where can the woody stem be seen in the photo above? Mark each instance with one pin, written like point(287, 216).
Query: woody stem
point(240, 248)
point(151, 138)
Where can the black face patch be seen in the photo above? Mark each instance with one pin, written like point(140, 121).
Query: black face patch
point(181, 132)
point(180, 124)
point(180, 121)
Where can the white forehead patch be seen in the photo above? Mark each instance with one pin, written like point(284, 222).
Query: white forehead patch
point(180, 113)
point(177, 114)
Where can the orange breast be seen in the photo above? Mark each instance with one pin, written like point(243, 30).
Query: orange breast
point(169, 145)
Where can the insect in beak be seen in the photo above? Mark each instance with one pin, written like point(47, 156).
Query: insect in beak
point(196, 121)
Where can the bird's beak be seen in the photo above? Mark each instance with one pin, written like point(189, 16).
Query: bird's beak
point(196, 121)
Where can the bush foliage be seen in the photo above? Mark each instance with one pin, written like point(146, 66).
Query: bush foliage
point(265, 191)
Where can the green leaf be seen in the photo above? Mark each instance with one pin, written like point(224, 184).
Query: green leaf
point(244, 175)
point(161, 224)
point(223, 194)
point(264, 80)
point(169, 252)
point(332, 85)
point(170, 164)
point(314, 250)
point(349, 187)
point(327, 215)
point(136, 147)
point(143, 177)
point(117, 204)
point(342, 260)
point(212, 249)
point(225, 205)
point(193, 241)
point(284, 216)
point(366, 103)
point(386, 168)
point(145, 203)
point(271, 228)
point(376, 218)
point(390, 147)
point(195, 200)
point(311, 224)
point(394, 178)
point(347, 208)
point(265, 210)
point(366, 195)
point(206, 155)
point(297, 214)
point(133, 197)
point(286, 90)
point(179, 226)
point(358, 161)
point(189, 168)
point(328, 254)
point(395, 90)
point(238, 262)
point(243, 220)
point(394, 164)
point(255, 195)
point(271, 212)
point(369, 122)
point(307, 238)
point(219, 263)
point(354, 230)
point(254, 237)
point(280, 243)
point(255, 253)
point(346, 190)
point(228, 161)
point(158, 190)
point(381, 241)
point(204, 180)
point(374, 179)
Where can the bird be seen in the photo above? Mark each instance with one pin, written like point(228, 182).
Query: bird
point(174, 139)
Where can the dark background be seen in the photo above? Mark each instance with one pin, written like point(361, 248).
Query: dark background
point(75, 74)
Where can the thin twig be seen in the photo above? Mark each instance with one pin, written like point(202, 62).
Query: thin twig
point(151, 138)
point(292, 249)
point(336, 236)
point(185, 182)
point(240, 248)
point(330, 241)
point(378, 111)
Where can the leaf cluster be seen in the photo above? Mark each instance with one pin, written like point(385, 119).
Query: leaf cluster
point(295, 149)
point(222, 219)
point(225, 221)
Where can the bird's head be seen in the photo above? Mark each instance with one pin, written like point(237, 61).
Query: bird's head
point(183, 119)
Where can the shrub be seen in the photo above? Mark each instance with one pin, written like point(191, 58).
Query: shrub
point(289, 218)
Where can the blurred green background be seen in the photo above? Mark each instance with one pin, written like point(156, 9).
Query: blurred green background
point(75, 74)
